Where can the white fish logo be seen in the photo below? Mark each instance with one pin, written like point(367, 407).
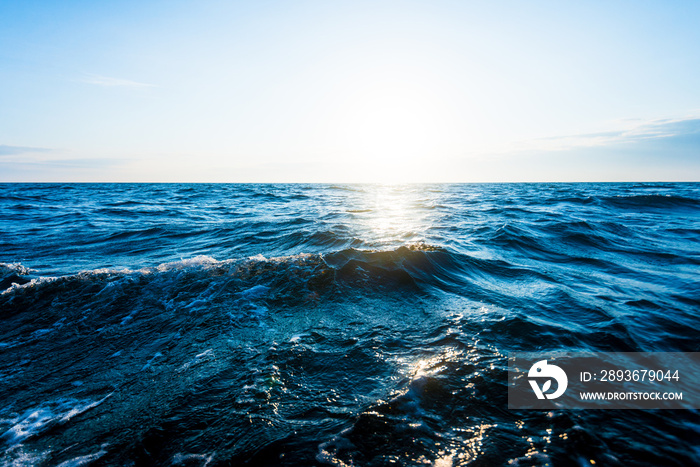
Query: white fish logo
point(542, 369)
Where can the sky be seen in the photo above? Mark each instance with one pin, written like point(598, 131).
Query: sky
point(349, 91)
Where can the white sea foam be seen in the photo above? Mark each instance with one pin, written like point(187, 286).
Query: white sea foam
point(185, 459)
point(108, 271)
point(201, 357)
point(32, 283)
point(38, 419)
point(18, 456)
point(296, 338)
point(28, 424)
point(84, 460)
point(204, 354)
point(200, 260)
point(148, 363)
point(16, 268)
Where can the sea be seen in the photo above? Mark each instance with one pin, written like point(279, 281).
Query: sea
point(343, 325)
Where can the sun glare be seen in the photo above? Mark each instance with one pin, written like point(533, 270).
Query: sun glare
point(392, 125)
point(393, 215)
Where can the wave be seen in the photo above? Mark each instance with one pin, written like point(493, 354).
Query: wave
point(13, 273)
point(308, 270)
point(651, 201)
point(356, 338)
point(350, 356)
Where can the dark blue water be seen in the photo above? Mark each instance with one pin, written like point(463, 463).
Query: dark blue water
point(191, 324)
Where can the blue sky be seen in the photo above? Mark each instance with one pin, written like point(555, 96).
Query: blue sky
point(315, 91)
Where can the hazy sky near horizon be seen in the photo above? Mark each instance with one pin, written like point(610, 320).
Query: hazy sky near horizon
point(356, 91)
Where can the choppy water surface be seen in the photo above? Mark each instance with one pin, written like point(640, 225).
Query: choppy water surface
point(334, 325)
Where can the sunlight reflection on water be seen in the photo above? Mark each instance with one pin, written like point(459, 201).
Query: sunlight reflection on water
point(393, 214)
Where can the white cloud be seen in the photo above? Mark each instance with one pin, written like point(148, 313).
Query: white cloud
point(627, 131)
point(107, 81)
point(6, 150)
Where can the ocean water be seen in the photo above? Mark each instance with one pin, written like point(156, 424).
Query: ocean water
point(367, 325)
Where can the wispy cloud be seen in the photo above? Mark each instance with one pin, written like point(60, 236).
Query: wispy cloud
point(85, 163)
point(629, 131)
point(6, 150)
point(60, 170)
point(108, 81)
